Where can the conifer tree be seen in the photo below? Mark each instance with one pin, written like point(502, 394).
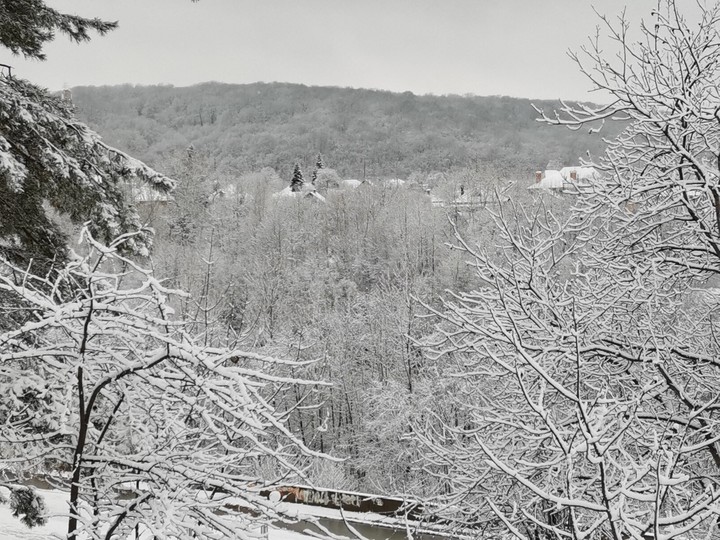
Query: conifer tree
point(297, 181)
point(319, 164)
point(50, 160)
point(26, 25)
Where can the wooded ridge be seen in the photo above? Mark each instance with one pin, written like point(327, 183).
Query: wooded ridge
point(377, 133)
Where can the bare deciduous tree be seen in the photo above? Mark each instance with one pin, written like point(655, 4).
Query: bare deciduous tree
point(103, 386)
point(588, 357)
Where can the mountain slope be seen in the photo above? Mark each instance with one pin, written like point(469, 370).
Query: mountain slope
point(248, 127)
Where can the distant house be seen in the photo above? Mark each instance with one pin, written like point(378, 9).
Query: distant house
point(549, 180)
point(463, 201)
point(145, 195)
point(579, 174)
point(468, 202)
point(222, 192)
point(149, 203)
point(228, 192)
point(565, 178)
point(326, 179)
point(394, 182)
point(307, 192)
point(437, 201)
point(351, 183)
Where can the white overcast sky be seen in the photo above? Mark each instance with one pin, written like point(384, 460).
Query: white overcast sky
point(483, 47)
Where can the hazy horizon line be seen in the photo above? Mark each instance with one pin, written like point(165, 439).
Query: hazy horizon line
point(467, 95)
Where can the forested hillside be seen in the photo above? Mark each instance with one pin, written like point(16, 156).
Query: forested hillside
point(244, 128)
point(337, 284)
point(186, 347)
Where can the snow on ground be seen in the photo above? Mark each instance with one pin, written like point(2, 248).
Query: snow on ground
point(11, 528)
point(56, 502)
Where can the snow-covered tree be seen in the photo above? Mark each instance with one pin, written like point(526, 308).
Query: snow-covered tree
point(587, 359)
point(25, 503)
point(326, 179)
point(297, 181)
point(154, 431)
point(319, 164)
point(49, 160)
point(26, 25)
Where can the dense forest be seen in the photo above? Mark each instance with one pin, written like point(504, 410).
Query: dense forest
point(338, 284)
point(345, 285)
point(185, 345)
point(393, 342)
point(243, 128)
point(335, 284)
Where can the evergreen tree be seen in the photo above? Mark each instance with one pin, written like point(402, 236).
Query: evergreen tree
point(297, 181)
point(26, 25)
point(50, 160)
point(319, 164)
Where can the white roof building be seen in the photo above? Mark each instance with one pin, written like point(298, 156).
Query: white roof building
point(305, 193)
point(564, 178)
point(394, 182)
point(350, 184)
point(548, 180)
point(143, 193)
point(585, 174)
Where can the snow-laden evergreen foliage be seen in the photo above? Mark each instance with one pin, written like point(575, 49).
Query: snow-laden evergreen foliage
point(25, 504)
point(26, 25)
point(51, 162)
point(297, 182)
point(48, 159)
point(319, 164)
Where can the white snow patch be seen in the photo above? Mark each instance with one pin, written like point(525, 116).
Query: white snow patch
point(57, 502)
point(350, 183)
